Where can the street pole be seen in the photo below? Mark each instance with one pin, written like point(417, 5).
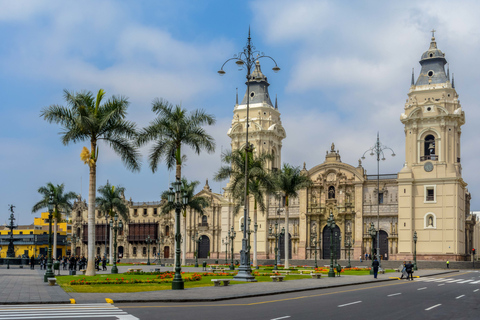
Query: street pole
point(276, 234)
point(331, 225)
point(225, 242)
point(377, 150)
point(115, 225)
point(196, 240)
point(148, 240)
point(49, 273)
point(246, 59)
point(349, 245)
point(415, 250)
point(232, 234)
point(372, 234)
point(315, 248)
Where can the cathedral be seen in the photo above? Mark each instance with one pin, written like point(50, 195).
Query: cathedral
point(427, 198)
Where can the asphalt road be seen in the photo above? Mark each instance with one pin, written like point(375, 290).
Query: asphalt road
point(451, 296)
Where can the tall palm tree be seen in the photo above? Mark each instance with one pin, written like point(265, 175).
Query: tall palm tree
point(289, 181)
point(111, 202)
point(260, 181)
point(173, 128)
point(89, 118)
point(61, 204)
point(196, 203)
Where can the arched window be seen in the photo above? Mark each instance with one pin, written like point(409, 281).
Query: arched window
point(429, 148)
point(154, 251)
point(134, 251)
point(79, 213)
point(331, 192)
point(430, 221)
point(204, 221)
point(78, 233)
point(167, 231)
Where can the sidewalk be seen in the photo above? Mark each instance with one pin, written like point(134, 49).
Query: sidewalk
point(25, 286)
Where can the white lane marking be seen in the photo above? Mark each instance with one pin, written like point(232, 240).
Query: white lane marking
point(460, 296)
point(455, 280)
point(475, 282)
point(433, 307)
point(393, 294)
point(476, 290)
point(465, 281)
point(281, 318)
point(441, 284)
point(348, 304)
point(422, 288)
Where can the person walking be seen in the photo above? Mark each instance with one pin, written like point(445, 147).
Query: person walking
point(404, 270)
point(448, 264)
point(375, 265)
point(32, 262)
point(409, 269)
point(104, 263)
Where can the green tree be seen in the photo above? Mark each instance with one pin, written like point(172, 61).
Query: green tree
point(170, 130)
point(289, 181)
point(196, 203)
point(88, 119)
point(61, 204)
point(260, 182)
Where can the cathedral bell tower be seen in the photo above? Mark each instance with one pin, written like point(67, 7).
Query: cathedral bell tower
point(265, 127)
point(431, 191)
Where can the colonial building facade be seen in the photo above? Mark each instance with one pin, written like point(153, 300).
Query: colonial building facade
point(428, 196)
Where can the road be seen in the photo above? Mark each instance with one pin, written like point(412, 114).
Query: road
point(450, 296)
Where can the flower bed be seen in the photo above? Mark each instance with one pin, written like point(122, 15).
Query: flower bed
point(165, 277)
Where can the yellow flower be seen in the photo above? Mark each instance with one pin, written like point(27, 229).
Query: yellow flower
point(86, 157)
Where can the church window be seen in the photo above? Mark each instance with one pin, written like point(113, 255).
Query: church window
point(380, 198)
point(429, 148)
point(144, 212)
point(430, 194)
point(144, 251)
point(430, 73)
point(155, 211)
point(331, 192)
point(252, 94)
point(134, 251)
point(167, 231)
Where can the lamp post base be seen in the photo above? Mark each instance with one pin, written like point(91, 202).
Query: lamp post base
point(114, 269)
point(331, 273)
point(178, 284)
point(48, 274)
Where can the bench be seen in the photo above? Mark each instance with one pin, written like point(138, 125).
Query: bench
point(277, 278)
point(84, 270)
point(216, 269)
point(302, 271)
point(135, 270)
point(287, 272)
point(155, 270)
point(52, 281)
point(316, 275)
point(216, 282)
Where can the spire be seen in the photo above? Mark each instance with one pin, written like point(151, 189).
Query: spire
point(453, 80)
point(413, 76)
point(276, 104)
point(236, 101)
point(433, 43)
point(448, 72)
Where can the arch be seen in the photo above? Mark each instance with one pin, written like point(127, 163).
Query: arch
point(336, 242)
point(331, 192)
point(120, 251)
point(383, 244)
point(430, 221)
point(204, 221)
point(167, 231)
point(429, 144)
point(429, 147)
point(166, 252)
point(240, 220)
point(204, 247)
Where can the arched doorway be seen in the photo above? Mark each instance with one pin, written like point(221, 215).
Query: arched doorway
point(166, 252)
point(77, 251)
point(120, 252)
point(204, 247)
point(281, 246)
point(336, 242)
point(383, 245)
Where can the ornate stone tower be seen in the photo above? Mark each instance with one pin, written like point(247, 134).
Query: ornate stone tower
point(265, 128)
point(432, 194)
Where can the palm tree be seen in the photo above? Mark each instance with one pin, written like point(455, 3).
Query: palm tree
point(88, 119)
point(173, 128)
point(196, 203)
point(289, 181)
point(61, 203)
point(111, 202)
point(260, 181)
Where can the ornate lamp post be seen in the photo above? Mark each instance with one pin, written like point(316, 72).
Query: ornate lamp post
point(178, 201)
point(246, 60)
point(115, 225)
point(197, 240)
point(377, 150)
point(373, 233)
point(276, 234)
point(232, 234)
point(159, 242)
point(314, 242)
point(331, 225)
point(49, 273)
point(225, 242)
point(349, 246)
point(415, 250)
point(148, 241)
point(255, 229)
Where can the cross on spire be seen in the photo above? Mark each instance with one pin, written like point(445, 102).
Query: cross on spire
point(433, 33)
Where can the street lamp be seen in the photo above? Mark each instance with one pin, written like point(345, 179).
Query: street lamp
point(377, 150)
point(178, 200)
point(246, 60)
point(115, 225)
point(159, 242)
point(232, 234)
point(255, 229)
point(415, 250)
point(276, 234)
point(225, 242)
point(314, 242)
point(331, 225)
point(148, 241)
point(373, 233)
point(49, 273)
point(197, 240)
point(349, 246)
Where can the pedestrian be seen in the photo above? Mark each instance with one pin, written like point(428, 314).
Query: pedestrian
point(448, 264)
point(32, 262)
point(375, 265)
point(366, 256)
point(404, 270)
point(409, 269)
point(104, 263)
point(360, 258)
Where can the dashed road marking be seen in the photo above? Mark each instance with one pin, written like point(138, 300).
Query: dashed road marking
point(348, 304)
point(437, 305)
point(460, 296)
point(393, 294)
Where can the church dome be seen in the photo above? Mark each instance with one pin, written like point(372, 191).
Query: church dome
point(432, 62)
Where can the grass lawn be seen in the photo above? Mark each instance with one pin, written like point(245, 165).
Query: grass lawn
point(64, 282)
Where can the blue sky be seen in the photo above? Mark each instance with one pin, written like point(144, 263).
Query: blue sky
point(346, 69)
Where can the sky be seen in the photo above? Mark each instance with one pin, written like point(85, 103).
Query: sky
point(345, 74)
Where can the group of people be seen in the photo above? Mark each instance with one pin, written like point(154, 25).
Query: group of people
point(72, 262)
point(407, 270)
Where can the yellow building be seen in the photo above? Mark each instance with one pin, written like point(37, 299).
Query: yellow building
point(33, 239)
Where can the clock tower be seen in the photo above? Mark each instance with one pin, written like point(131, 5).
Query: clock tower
point(433, 200)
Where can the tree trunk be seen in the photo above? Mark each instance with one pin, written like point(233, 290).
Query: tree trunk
point(55, 238)
point(184, 243)
point(286, 234)
point(91, 219)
